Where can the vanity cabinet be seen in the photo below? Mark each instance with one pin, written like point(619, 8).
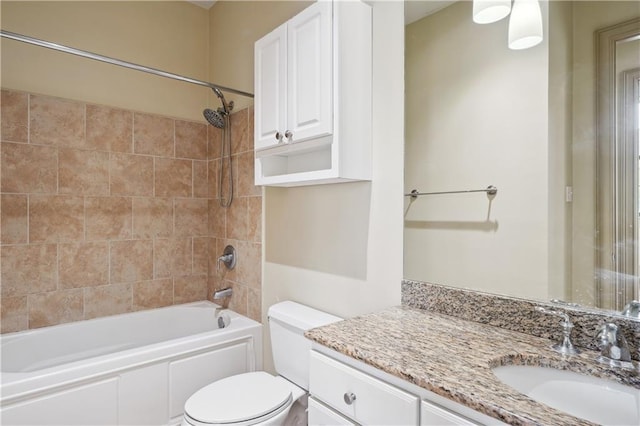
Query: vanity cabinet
point(359, 396)
point(348, 392)
point(313, 97)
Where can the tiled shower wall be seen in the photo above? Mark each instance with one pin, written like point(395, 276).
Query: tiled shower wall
point(106, 211)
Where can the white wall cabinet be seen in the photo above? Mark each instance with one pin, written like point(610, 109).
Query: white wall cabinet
point(344, 391)
point(313, 97)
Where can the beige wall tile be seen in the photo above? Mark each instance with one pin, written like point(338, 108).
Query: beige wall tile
point(189, 289)
point(237, 220)
point(191, 140)
point(14, 315)
point(55, 307)
point(108, 217)
point(14, 116)
point(131, 174)
point(254, 304)
point(131, 261)
point(201, 255)
point(214, 136)
point(254, 218)
point(29, 168)
point(251, 129)
point(107, 300)
point(239, 131)
point(55, 218)
point(28, 269)
point(55, 121)
point(217, 220)
point(14, 219)
point(191, 217)
point(172, 257)
point(200, 179)
point(173, 178)
point(248, 272)
point(83, 264)
point(213, 174)
point(82, 172)
point(246, 173)
point(152, 217)
point(152, 294)
point(109, 129)
point(153, 135)
point(238, 302)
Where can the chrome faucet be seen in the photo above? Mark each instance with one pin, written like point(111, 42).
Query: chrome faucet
point(565, 347)
point(614, 349)
point(222, 293)
point(228, 258)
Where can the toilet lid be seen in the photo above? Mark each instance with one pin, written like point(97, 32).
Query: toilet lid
point(238, 398)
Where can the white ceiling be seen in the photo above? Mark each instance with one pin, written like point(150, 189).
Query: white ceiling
point(413, 9)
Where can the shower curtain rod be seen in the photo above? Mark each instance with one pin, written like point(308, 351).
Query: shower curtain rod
point(113, 61)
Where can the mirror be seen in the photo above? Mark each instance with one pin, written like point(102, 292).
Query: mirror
point(524, 121)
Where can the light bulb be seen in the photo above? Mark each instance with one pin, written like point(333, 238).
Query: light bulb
point(488, 11)
point(525, 24)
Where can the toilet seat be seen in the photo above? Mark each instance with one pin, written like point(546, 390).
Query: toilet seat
point(244, 399)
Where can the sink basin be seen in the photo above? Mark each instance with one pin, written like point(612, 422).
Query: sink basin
point(591, 398)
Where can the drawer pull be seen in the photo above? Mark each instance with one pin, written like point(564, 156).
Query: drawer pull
point(349, 397)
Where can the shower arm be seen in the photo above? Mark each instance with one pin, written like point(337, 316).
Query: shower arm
point(86, 54)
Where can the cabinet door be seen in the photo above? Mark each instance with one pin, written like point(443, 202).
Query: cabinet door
point(432, 414)
point(310, 73)
point(319, 415)
point(270, 81)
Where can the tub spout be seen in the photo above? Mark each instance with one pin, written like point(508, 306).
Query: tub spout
point(222, 293)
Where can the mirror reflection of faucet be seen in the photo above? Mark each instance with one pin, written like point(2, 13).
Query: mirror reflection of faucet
point(614, 349)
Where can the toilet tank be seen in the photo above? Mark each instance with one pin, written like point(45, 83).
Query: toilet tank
point(287, 323)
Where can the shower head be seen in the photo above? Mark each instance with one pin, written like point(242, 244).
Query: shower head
point(216, 118)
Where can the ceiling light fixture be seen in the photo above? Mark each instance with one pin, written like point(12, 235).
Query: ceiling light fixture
point(488, 11)
point(525, 24)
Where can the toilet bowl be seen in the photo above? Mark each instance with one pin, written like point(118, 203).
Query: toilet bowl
point(259, 398)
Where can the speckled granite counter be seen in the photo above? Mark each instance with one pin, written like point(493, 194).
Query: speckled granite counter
point(453, 358)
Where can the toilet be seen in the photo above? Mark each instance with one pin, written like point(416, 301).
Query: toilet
point(259, 398)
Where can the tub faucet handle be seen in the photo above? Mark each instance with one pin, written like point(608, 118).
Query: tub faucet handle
point(228, 258)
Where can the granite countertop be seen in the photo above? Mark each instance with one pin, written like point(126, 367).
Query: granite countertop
point(453, 358)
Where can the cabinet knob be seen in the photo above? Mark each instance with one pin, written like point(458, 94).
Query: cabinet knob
point(349, 397)
point(279, 137)
point(289, 135)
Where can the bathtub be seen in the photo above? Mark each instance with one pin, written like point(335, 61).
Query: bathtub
point(136, 368)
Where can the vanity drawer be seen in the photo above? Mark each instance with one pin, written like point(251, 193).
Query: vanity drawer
point(373, 401)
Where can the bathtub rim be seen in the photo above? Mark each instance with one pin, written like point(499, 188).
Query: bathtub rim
point(18, 386)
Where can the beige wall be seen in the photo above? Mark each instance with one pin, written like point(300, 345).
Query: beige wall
point(235, 26)
point(473, 120)
point(168, 35)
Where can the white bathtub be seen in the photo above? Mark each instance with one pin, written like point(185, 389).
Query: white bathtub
point(136, 368)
